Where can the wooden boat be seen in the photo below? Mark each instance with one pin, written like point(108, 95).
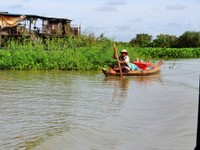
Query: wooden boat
point(153, 70)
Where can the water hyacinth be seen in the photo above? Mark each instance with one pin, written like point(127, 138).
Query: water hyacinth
point(80, 53)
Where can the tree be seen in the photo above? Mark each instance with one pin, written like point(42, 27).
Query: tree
point(141, 40)
point(164, 41)
point(189, 39)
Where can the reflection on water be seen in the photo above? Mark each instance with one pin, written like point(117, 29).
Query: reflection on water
point(122, 86)
point(50, 110)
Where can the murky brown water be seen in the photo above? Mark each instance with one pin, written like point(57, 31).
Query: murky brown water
point(59, 110)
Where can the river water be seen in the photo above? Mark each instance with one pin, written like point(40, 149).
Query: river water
point(61, 110)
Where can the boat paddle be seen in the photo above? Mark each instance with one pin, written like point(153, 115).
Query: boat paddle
point(119, 65)
point(198, 124)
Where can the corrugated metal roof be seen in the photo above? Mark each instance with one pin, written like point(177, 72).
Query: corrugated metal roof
point(9, 14)
point(36, 16)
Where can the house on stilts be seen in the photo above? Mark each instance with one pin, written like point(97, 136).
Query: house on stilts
point(17, 25)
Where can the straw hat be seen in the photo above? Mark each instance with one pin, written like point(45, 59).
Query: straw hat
point(124, 51)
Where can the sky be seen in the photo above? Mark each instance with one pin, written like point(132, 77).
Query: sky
point(120, 20)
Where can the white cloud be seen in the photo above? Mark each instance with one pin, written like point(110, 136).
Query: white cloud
point(116, 3)
point(106, 9)
point(176, 7)
point(17, 6)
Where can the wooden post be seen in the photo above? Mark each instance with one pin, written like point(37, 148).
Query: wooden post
point(119, 65)
point(198, 123)
point(29, 26)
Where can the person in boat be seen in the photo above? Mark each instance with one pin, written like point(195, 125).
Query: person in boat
point(124, 61)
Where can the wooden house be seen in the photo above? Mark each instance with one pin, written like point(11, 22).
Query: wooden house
point(26, 24)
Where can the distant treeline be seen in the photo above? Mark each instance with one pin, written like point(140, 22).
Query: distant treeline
point(189, 39)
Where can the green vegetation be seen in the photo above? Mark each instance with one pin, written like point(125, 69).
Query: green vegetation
point(85, 52)
point(189, 39)
point(169, 53)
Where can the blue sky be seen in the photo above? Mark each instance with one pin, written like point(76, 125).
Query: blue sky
point(120, 20)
